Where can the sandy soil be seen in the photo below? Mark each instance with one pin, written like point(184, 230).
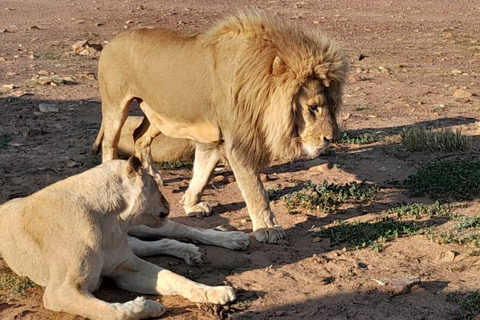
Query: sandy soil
point(419, 56)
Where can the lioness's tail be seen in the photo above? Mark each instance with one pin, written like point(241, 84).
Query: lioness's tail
point(98, 141)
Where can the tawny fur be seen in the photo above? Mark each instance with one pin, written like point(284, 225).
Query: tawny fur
point(251, 89)
point(69, 235)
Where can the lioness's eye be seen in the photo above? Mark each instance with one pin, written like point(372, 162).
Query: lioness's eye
point(314, 107)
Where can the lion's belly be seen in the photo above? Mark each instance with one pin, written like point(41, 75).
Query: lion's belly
point(202, 131)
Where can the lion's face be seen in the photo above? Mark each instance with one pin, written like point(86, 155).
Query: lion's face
point(315, 119)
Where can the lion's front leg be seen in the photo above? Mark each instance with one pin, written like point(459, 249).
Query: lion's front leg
point(265, 225)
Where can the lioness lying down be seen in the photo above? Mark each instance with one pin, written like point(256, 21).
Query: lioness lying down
point(69, 235)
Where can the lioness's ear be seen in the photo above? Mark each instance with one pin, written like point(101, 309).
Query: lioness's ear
point(278, 67)
point(134, 166)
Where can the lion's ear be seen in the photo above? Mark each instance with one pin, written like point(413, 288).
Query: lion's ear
point(134, 166)
point(278, 67)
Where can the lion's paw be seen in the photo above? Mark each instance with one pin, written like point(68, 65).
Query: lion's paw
point(216, 295)
point(193, 256)
point(235, 240)
point(142, 308)
point(271, 235)
point(201, 209)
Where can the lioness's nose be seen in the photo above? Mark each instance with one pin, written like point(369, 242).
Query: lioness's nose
point(326, 140)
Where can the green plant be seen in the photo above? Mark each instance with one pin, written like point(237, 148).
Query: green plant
point(326, 197)
point(443, 140)
point(420, 210)
point(448, 180)
point(170, 165)
point(370, 234)
point(469, 305)
point(364, 138)
point(13, 286)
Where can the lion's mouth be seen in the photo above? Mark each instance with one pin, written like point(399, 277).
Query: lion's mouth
point(310, 151)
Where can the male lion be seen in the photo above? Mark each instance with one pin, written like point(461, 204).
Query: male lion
point(69, 235)
point(250, 89)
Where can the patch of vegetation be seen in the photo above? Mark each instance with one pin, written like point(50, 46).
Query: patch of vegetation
point(444, 140)
point(469, 305)
point(327, 197)
point(466, 232)
point(364, 138)
point(4, 140)
point(48, 56)
point(170, 165)
point(360, 108)
point(447, 180)
point(13, 286)
point(369, 234)
point(420, 210)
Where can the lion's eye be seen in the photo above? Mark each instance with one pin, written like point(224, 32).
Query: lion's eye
point(314, 107)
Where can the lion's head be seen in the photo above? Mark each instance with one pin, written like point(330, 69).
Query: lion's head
point(287, 87)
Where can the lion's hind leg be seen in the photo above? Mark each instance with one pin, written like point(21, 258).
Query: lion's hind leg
point(115, 114)
point(138, 275)
point(70, 299)
point(188, 252)
point(205, 161)
point(143, 137)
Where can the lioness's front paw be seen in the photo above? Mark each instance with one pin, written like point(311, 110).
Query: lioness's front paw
point(221, 295)
point(141, 308)
point(201, 209)
point(270, 235)
point(235, 240)
point(193, 256)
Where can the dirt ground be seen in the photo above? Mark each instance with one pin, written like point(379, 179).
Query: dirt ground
point(421, 67)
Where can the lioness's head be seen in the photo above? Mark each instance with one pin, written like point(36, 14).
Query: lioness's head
point(148, 205)
point(315, 120)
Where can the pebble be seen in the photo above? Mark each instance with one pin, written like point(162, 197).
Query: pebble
point(447, 256)
point(324, 167)
point(456, 71)
point(47, 107)
point(316, 239)
point(72, 164)
point(461, 93)
point(383, 169)
point(279, 313)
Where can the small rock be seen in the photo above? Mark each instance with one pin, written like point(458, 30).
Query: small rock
point(448, 256)
point(9, 86)
point(383, 169)
point(72, 164)
point(85, 48)
point(279, 313)
point(140, 7)
point(354, 78)
point(316, 239)
point(324, 167)
point(456, 71)
point(34, 28)
point(327, 280)
point(12, 73)
point(3, 59)
point(43, 73)
point(219, 178)
point(461, 93)
point(129, 22)
point(47, 107)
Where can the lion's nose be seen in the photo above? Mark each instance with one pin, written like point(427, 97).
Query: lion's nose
point(164, 212)
point(326, 140)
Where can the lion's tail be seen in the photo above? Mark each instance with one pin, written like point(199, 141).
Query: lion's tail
point(98, 141)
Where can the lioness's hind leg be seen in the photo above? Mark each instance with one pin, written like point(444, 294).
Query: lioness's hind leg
point(68, 298)
point(205, 161)
point(114, 116)
point(186, 251)
point(143, 137)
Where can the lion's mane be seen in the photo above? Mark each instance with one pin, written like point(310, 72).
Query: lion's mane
point(263, 108)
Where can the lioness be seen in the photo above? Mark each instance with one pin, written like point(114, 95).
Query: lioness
point(250, 89)
point(69, 235)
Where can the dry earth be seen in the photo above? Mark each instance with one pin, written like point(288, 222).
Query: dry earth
point(421, 68)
